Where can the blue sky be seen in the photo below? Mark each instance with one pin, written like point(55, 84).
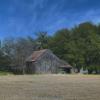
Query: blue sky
point(26, 17)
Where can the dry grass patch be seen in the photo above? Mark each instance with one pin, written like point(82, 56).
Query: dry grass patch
point(50, 87)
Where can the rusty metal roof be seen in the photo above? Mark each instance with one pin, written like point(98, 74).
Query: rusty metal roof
point(36, 55)
point(64, 64)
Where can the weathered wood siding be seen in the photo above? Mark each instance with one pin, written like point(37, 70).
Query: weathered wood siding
point(47, 63)
point(30, 68)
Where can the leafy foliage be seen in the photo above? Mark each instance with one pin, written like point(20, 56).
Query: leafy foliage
point(79, 46)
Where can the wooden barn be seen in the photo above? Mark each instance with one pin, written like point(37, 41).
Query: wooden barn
point(44, 61)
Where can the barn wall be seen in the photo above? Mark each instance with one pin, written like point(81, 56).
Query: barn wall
point(30, 68)
point(48, 63)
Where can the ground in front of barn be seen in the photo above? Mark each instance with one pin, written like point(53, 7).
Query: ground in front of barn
point(50, 87)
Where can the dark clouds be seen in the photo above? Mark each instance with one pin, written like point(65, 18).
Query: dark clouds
point(25, 17)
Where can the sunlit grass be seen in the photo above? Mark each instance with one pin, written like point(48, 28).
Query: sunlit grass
point(50, 87)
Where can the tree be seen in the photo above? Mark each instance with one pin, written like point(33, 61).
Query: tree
point(42, 40)
point(18, 50)
point(4, 60)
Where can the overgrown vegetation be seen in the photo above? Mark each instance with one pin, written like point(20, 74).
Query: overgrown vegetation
point(80, 46)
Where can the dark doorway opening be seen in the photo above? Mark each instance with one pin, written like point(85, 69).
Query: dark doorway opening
point(65, 70)
point(30, 68)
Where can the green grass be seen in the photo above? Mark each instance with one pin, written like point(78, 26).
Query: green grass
point(4, 73)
